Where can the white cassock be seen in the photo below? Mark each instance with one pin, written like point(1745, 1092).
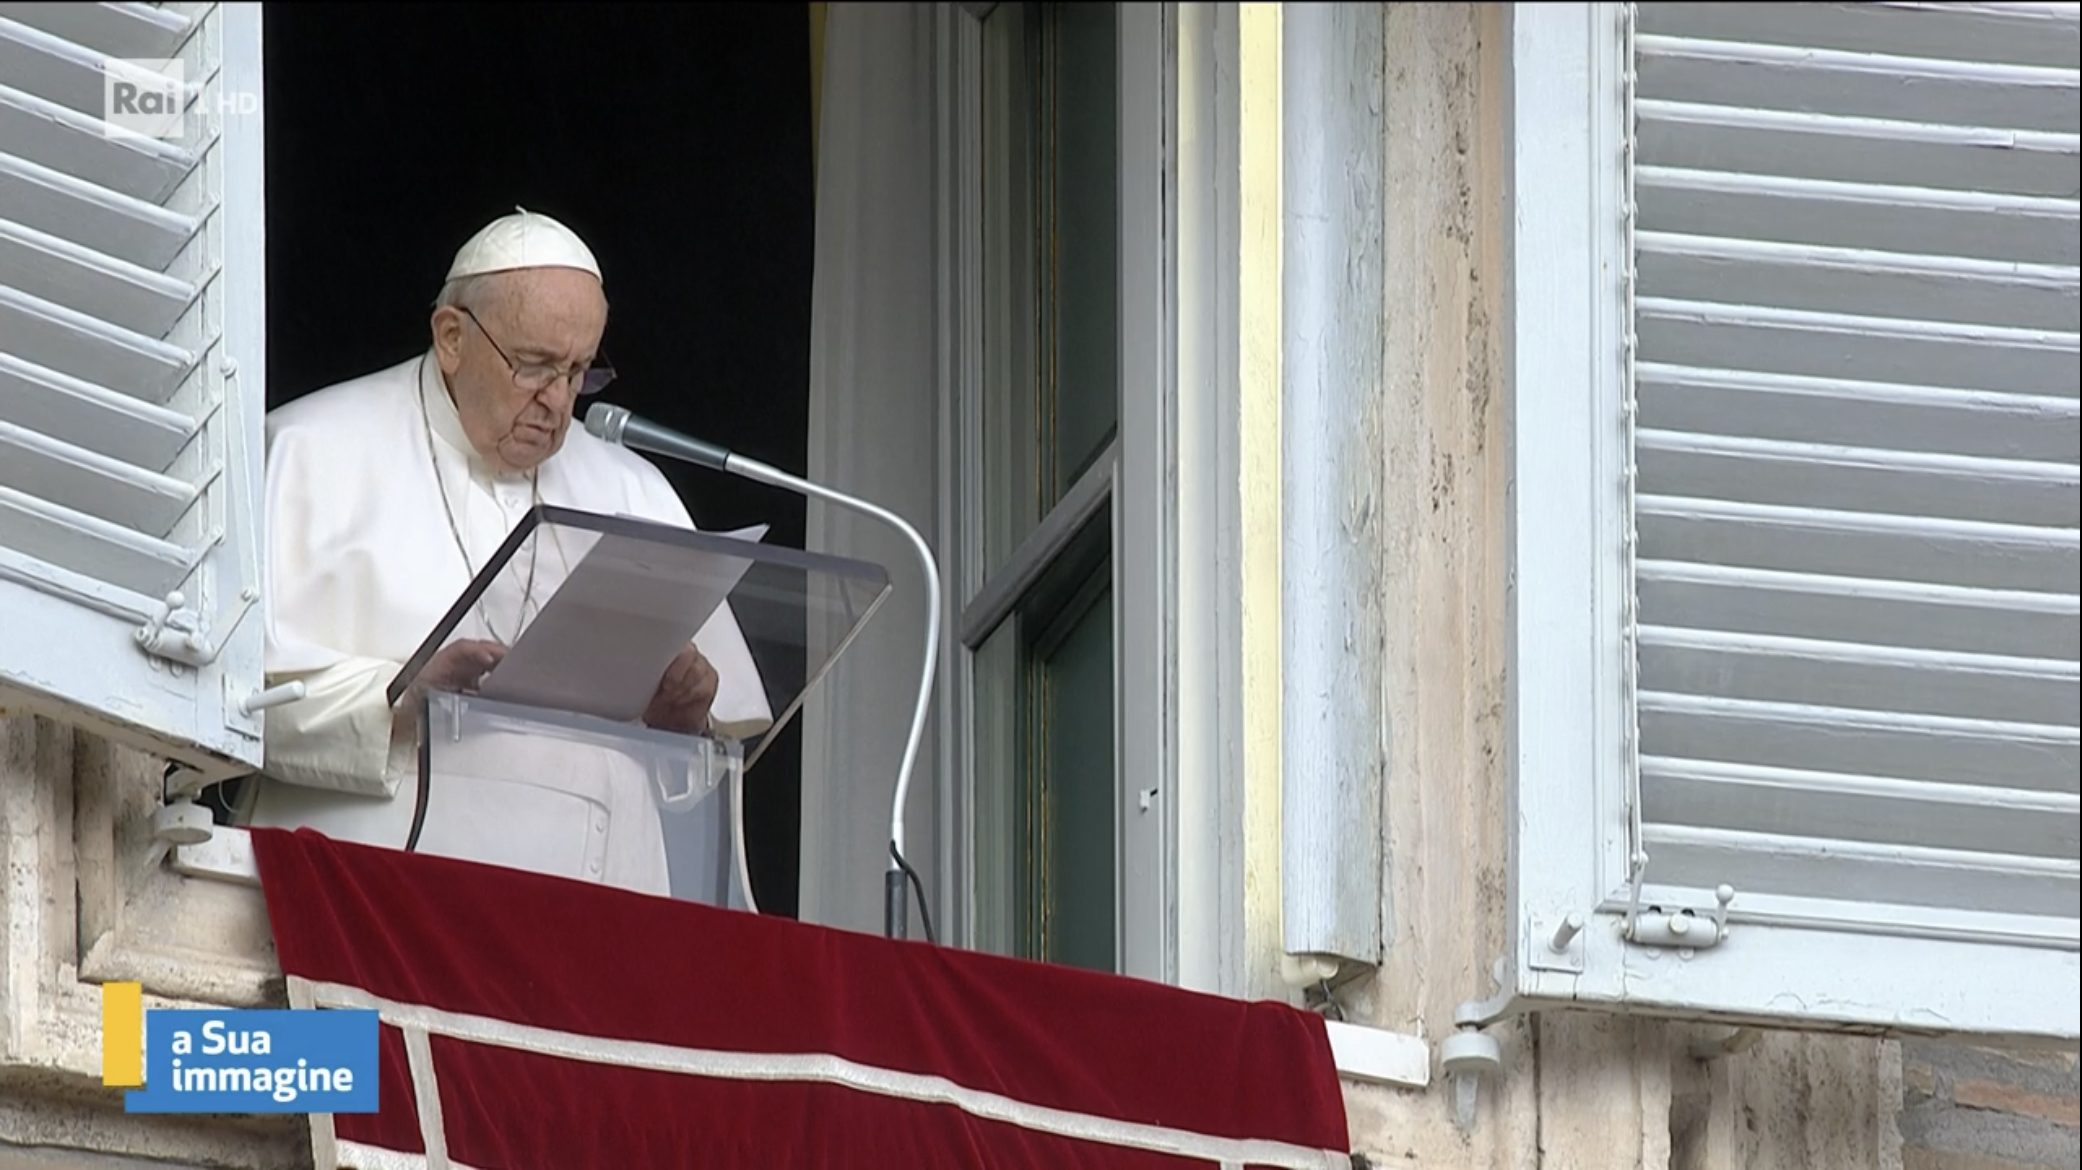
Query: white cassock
point(363, 565)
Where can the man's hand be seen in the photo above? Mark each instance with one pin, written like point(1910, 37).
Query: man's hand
point(684, 695)
point(459, 665)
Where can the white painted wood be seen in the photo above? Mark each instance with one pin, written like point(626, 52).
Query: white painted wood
point(1864, 347)
point(1853, 484)
point(1889, 416)
point(1333, 720)
point(1207, 850)
point(44, 542)
point(1865, 609)
point(2028, 229)
point(118, 30)
point(1868, 282)
point(1565, 704)
point(68, 410)
point(1866, 84)
point(90, 348)
point(44, 132)
point(1145, 505)
point(2023, 34)
point(123, 228)
point(131, 386)
point(958, 299)
point(1970, 553)
point(92, 282)
point(1031, 558)
point(1856, 150)
point(1376, 1056)
point(132, 497)
point(1848, 806)
point(1920, 484)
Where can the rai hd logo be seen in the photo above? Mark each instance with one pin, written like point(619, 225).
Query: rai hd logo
point(144, 98)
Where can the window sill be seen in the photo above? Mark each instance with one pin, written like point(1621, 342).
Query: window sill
point(1376, 1056)
point(227, 857)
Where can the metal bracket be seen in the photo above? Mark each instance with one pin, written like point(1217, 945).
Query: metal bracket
point(1480, 1013)
point(1469, 1054)
point(177, 634)
point(1681, 929)
point(243, 708)
point(1561, 949)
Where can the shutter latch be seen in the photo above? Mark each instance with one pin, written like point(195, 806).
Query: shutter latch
point(1683, 929)
point(177, 634)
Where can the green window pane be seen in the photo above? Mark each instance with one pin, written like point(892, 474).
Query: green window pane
point(1050, 400)
point(1085, 276)
point(1077, 789)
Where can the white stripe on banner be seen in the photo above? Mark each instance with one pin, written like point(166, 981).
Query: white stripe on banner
point(827, 1069)
point(358, 1156)
point(426, 1096)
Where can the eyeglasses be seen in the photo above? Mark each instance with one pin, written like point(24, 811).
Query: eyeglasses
point(537, 378)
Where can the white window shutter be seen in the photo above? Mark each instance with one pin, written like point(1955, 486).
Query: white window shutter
point(131, 391)
point(1796, 532)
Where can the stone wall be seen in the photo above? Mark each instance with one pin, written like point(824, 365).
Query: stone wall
point(84, 904)
point(1967, 1108)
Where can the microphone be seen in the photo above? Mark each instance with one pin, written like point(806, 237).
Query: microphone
point(615, 424)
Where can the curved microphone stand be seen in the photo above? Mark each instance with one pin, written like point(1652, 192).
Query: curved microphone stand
point(615, 424)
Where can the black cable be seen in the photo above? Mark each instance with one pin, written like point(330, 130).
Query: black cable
point(419, 807)
point(925, 913)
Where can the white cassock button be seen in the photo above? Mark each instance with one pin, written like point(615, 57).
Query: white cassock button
point(594, 866)
point(599, 824)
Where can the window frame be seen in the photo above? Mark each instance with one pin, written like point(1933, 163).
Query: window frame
point(1568, 596)
point(1135, 481)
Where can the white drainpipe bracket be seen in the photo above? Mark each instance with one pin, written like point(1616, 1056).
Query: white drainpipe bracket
point(1470, 1053)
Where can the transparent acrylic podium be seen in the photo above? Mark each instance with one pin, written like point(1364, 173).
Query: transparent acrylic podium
point(547, 763)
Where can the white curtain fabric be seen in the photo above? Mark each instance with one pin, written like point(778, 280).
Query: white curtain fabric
point(872, 433)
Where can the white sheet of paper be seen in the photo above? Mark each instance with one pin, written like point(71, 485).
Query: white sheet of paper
point(606, 636)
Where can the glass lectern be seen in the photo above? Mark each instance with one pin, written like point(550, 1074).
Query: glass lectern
point(547, 762)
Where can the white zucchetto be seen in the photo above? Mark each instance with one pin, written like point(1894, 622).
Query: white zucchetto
point(525, 239)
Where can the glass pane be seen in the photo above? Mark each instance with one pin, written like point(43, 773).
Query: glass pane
point(1084, 253)
point(1000, 770)
point(1011, 405)
point(1077, 788)
point(1051, 221)
point(1045, 787)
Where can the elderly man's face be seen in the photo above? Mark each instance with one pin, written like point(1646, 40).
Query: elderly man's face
point(538, 317)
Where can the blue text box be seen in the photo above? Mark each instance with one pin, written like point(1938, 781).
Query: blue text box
point(204, 1061)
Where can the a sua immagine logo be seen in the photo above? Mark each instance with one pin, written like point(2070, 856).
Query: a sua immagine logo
point(232, 1061)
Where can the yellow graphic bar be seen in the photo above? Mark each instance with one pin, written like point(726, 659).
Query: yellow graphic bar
point(123, 1034)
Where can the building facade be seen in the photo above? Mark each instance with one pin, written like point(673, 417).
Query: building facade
point(1428, 498)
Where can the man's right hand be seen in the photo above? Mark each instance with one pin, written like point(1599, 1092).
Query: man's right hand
point(459, 665)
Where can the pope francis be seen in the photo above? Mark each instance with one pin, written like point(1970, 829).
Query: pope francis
point(385, 497)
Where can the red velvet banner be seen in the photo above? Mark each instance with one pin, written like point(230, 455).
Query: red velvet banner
point(562, 1024)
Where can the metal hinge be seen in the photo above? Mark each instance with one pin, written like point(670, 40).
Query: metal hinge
point(178, 635)
point(1682, 929)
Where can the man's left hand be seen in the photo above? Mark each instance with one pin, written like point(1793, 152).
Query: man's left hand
point(684, 696)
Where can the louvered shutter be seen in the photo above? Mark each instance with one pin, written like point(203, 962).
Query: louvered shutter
point(1843, 471)
point(131, 399)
